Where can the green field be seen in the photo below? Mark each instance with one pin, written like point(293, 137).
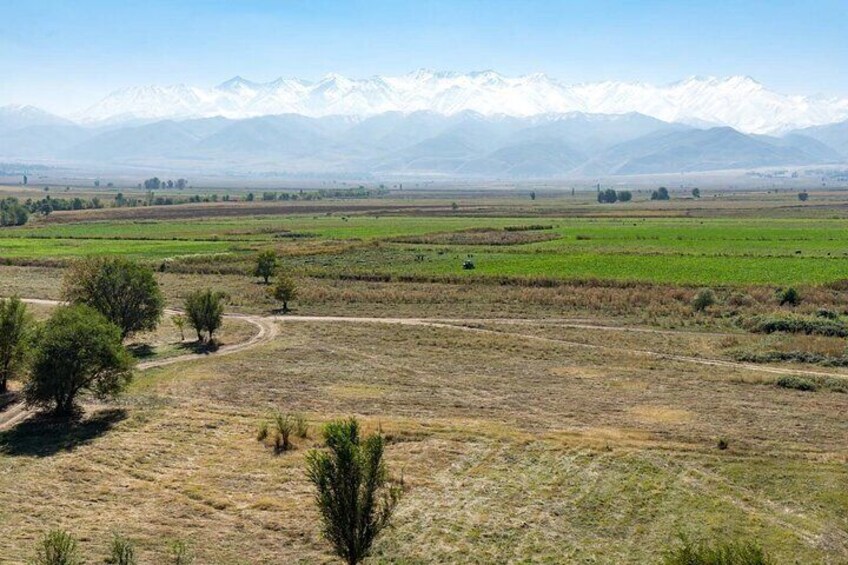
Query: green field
point(691, 251)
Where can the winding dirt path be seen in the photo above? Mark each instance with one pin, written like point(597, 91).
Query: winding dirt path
point(267, 330)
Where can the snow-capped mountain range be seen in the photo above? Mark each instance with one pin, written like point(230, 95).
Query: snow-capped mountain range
point(739, 102)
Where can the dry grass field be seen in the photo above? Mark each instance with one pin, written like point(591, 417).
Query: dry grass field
point(555, 421)
point(509, 446)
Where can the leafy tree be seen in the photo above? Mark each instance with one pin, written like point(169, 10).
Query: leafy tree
point(14, 340)
point(353, 494)
point(625, 196)
point(266, 265)
point(124, 291)
point(803, 196)
point(660, 194)
point(153, 183)
point(57, 547)
point(205, 312)
point(285, 290)
point(12, 212)
point(78, 350)
point(607, 196)
point(696, 192)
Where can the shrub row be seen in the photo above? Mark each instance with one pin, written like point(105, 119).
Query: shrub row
point(796, 324)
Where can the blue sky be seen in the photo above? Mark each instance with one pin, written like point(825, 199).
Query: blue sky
point(64, 55)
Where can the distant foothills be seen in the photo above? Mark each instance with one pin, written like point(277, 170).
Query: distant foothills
point(476, 125)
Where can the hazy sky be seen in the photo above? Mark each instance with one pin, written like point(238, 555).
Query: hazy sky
point(64, 55)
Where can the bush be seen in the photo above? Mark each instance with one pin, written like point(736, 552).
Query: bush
point(181, 554)
point(796, 383)
point(57, 548)
point(15, 324)
point(125, 292)
point(803, 196)
point(625, 196)
point(78, 350)
point(262, 432)
point(796, 324)
point(468, 264)
point(301, 426)
point(353, 494)
point(284, 425)
point(722, 444)
point(121, 552)
point(205, 312)
point(703, 300)
point(722, 553)
point(789, 296)
point(827, 314)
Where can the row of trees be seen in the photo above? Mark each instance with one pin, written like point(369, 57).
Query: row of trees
point(284, 289)
point(155, 184)
point(610, 196)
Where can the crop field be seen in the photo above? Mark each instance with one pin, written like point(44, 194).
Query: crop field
point(561, 401)
point(689, 251)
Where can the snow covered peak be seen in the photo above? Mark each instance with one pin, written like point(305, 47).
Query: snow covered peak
point(737, 101)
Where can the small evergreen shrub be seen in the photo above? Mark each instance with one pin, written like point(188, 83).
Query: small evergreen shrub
point(181, 554)
point(262, 432)
point(284, 425)
point(121, 552)
point(301, 426)
point(789, 296)
point(57, 547)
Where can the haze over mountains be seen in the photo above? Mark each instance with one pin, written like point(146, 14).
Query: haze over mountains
point(426, 123)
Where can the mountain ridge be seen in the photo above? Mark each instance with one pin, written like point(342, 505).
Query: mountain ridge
point(736, 101)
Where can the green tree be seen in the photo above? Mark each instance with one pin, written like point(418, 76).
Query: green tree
point(78, 350)
point(124, 291)
point(660, 194)
point(354, 496)
point(284, 290)
point(266, 265)
point(205, 312)
point(803, 196)
point(14, 340)
point(696, 192)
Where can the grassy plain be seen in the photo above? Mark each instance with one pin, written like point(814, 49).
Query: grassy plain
point(566, 406)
